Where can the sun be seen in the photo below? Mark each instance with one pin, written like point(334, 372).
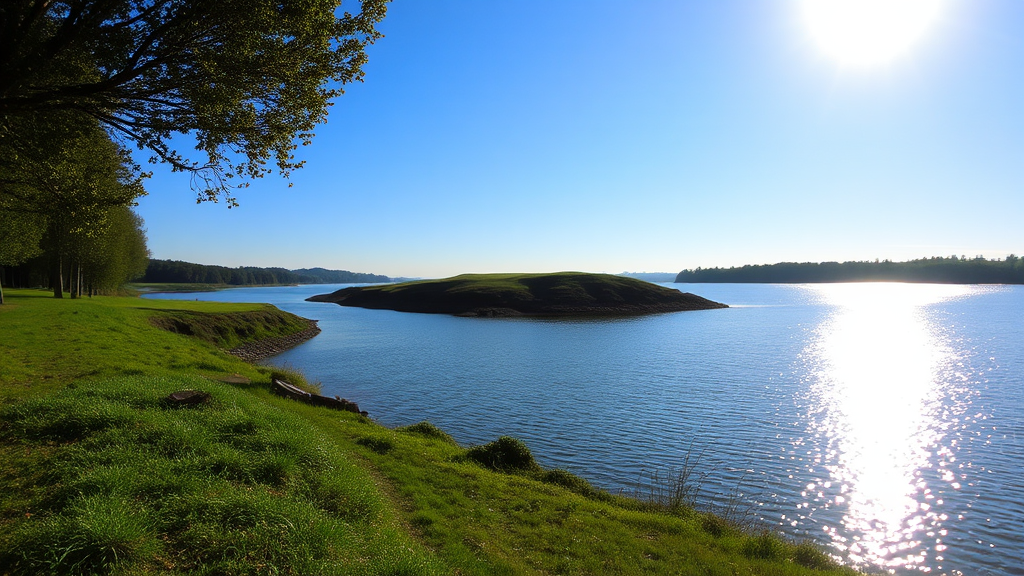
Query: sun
point(869, 33)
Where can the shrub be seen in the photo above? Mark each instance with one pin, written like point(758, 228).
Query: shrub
point(568, 480)
point(808, 555)
point(429, 430)
point(506, 454)
point(714, 525)
point(295, 378)
point(764, 546)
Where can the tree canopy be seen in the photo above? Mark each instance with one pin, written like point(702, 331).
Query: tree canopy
point(248, 79)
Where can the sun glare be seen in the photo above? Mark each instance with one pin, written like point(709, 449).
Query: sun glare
point(866, 33)
point(879, 359)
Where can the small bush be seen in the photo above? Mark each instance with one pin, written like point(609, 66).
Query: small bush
point(506, 454)
point(295, 378)
point(764, 546)
point(568, 480)
point(808, 555)
point(714, 525)
point(429, 430)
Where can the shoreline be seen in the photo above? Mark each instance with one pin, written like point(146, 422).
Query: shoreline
point(262, 349)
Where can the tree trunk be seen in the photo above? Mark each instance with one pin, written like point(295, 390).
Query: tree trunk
point(72, 278)
point(76, 279)
point(58, 280)
point(1, 285)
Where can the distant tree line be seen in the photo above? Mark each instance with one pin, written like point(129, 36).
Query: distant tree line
point(323, 276)
point(650, 276)
point(948, 270)
point(178, 272)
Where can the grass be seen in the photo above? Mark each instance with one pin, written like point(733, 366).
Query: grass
point(49, 343)
point(99, 476)
point(232, 487)
point(229, 330)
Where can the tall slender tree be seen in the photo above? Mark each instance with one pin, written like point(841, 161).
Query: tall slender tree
point(115, 256)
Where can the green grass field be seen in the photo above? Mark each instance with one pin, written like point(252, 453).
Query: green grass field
point(99, 476)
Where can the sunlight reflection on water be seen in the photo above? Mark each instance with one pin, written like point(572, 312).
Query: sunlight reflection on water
point(883, 399)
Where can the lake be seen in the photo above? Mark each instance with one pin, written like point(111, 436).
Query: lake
point(883, 420)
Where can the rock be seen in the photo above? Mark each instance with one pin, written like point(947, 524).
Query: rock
point(187, 398)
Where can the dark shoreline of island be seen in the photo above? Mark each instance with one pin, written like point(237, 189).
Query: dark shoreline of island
point(509, 295)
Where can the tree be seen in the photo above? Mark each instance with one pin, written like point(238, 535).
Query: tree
point(248, 79)
point(117, 255)
point(19, 240)
point(68, 174)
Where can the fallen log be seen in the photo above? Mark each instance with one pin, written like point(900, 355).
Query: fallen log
point(290, 391)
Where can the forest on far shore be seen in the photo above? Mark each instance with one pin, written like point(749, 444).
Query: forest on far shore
point(178, 272)
point(939, 270)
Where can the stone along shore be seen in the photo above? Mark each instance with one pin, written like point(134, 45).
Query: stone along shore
point(256, 351)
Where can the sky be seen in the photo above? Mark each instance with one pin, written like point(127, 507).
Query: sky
point(647, 136)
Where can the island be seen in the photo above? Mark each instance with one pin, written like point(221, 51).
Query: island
point(501, 295)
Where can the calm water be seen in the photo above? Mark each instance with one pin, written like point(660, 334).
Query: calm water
point(885, 421)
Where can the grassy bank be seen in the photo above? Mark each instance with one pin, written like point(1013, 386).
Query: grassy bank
point(99, 475)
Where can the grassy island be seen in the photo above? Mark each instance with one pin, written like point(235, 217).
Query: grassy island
point(100, 475)
point(560, 294)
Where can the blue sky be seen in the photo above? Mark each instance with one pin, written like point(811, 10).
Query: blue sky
point(643, 136)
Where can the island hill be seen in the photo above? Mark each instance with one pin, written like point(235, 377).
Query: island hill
point(558, 294)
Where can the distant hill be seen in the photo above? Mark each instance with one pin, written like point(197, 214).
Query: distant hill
point(178, 272)
point(651, 276)
point(323, 276)
point(561, 294)
point(951, 270)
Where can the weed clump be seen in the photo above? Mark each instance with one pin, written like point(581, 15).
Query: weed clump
point(764, 546)
point(810, 556)
point(295, 378)
point(430, 431)
point(569, 481)
point(506, 454)
point(378, 444)
point(714, 525)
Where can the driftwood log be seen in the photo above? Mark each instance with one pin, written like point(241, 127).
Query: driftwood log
point(289, 391)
